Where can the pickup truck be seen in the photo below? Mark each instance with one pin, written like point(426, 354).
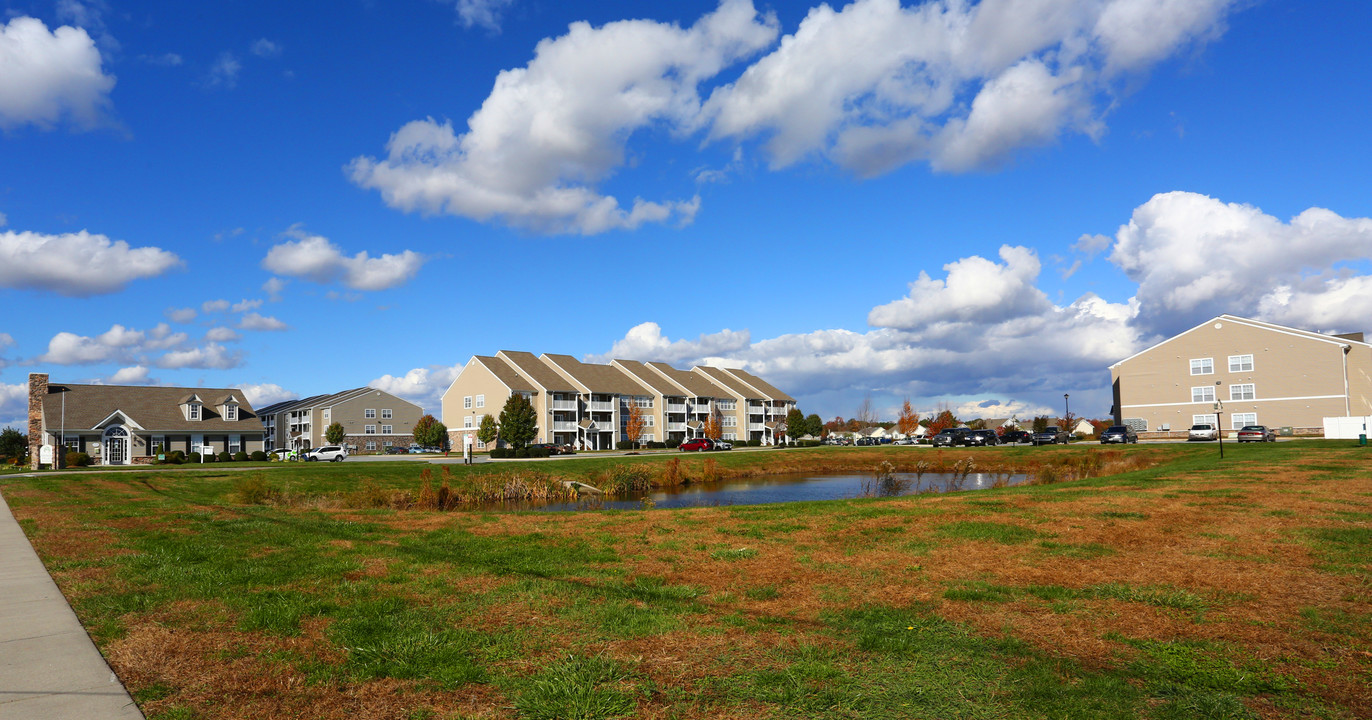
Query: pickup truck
point(1051, 435)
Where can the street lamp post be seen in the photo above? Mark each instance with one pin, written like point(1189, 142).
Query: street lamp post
point(1066, 408)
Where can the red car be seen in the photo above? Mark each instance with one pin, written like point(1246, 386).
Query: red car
point(697, 445)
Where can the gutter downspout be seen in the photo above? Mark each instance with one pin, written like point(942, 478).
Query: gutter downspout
point(1347, 402)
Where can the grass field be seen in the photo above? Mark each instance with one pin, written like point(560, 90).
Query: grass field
point(1180, 587)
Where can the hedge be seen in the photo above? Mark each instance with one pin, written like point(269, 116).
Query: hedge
point(259, 456)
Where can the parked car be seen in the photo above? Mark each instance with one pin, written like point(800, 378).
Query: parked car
point(697, 445)
point(866, 441)
point(1016, 436)
point(330, 453)
point(905, 441)
point(723, 445)
point(981, 437)
point(1118, 434)
point(1203, 431)
point(1257, 433)
point(1051, 435)
point(283, 454)
point(397, 450)
point(952, 437)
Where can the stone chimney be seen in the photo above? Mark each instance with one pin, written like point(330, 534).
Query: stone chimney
point(38, 389)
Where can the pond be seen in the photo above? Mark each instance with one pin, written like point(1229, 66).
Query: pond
point(783, 488)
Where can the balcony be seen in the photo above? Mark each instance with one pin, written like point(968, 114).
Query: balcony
point(564, 426)
point(564, 404)
point(756, 426)
point(601, 406)
point(675, 426)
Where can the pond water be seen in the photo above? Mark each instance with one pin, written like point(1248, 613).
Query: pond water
point(783, 488)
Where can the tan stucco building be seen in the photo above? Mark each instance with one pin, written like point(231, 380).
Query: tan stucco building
point(372, 421)
point(586, 405)
point(1259, 373)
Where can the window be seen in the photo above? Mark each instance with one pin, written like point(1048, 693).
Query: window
point(371, 444)
point(386, 429)
point(1204, 393)
point(1242, 392)
point(1241, 363)
point(1203, 366)
point(235, 444)
point(159, 444)
point(385, 413)
point(370, 430)
point(725, 404)
point(730, 421)
point(1238, 420)
point(73, 442)
point(467, 421)
point(648, 421)
point(467, 403)
point(231, 412)
point(647, 437)
point(193, 411)
point(643, 402)
point(369, 413)
point(481, 401)
point(1204, 420)
point(387, 443)
point(327, 413)
point(730, 437)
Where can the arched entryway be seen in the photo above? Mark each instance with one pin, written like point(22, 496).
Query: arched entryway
point(116, 445)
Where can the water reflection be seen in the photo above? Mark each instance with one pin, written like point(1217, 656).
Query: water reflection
point(780, 489)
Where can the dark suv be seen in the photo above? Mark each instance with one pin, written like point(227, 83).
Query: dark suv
point(1016, 436)
point(952, 437)
point(981, 437)
point(1118, 434)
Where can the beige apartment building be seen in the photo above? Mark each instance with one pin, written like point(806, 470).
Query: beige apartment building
point(586, 405)
point(1232, 371)
point(373, 420)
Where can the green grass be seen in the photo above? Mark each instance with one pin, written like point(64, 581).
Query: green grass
point(576, 688)
point(1003, 533)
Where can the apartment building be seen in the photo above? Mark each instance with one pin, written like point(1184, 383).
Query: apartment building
point(372, 421)
point(587, 405)
point(752, 409)
point(1232, 371)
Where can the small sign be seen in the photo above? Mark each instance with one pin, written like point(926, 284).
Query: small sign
point(467, 439)
point(45, 455)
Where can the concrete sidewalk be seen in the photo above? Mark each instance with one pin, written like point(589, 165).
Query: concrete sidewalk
point(49, 668)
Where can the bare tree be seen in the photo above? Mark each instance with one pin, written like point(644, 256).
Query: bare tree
point(866, 414)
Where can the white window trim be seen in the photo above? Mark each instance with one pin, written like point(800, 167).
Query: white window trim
point(193, 411)
point(1207, 393)
point(387, 429)
point(1198, 364)
point(231, 412)
point(1236, 392)
point(385, 413)
point(1240, 367)
point(369, 414)
point(481, 401)
point(1209, 419)
point(369, 430)
point(467, 402)
point(1234, 423)
point(467, 421)
point(371, 444)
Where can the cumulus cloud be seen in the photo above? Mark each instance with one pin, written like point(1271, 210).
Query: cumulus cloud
point(960, 85)
point(181, 315)
point(485, 13)
point(136, 375)
point(646, 342)
point(257, 321)
point(6, 342)
point(550, 131)
point(245, 305)
point(14, 405)
point(273, 288)
point(423, 386)
point(62, 263)
point(118, 344)
point(315, 258)
point(264, 394)
point(976, 289)
point(1195, 257)
point(265, 48)
point(212, 356)
point(221, 334)
point(224, 72)
point(211, 306)
point(47, 76)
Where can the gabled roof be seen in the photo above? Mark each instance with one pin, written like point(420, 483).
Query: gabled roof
point(598, 378)
point(531, 367)
point(767, 388)
point(1320, 337)
point(504, 373)
point(724, 379)
point(154, 409)
point(647, 377)
point(696, 385)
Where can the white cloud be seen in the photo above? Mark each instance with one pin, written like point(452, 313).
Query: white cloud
point(645, 342)
point(181, 315)
point(245, 305)
point(224, 72)
point(550, 131)
point(314, 258)
point(1195, 257)
point(210, 306)
point(6, 342)
point(423, 386)
point(47, 76)
point(961, 85)
point(14, 406)
point(221, 334)
point(273, 288)
point(257, 321)
point(976, 290)
point(3, 220)
point(136, 375)
point(265, 48)
point(485, 13)
point(118, 344)
point(64, 263)
point(211, 356)
point(264, 394)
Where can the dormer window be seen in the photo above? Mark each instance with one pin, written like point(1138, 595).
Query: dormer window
point(193, 411)
point(231, 411)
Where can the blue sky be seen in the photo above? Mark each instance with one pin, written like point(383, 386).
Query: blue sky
point(976, 206)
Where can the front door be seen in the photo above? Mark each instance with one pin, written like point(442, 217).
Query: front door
point(116, 446)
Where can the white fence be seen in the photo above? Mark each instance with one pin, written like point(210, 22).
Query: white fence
point(1346, 428)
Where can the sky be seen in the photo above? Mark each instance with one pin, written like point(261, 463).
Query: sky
point(975, 206)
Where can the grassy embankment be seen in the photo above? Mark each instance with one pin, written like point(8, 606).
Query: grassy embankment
point(1189, 588)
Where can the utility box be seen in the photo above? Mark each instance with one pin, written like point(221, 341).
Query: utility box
point(1287, 431)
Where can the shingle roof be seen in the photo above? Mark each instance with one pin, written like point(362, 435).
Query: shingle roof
point(729, 381)
point(504, 373)
point(534, 368)
point(153, 408)
point(697, 385)
point(598, 378)
point(757, 382)
point(648, 377)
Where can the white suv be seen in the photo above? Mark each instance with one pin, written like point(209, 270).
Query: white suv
point(1203, 431)
point(332, 453)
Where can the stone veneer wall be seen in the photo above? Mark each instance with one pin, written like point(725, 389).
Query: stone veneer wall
point(38, 389)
